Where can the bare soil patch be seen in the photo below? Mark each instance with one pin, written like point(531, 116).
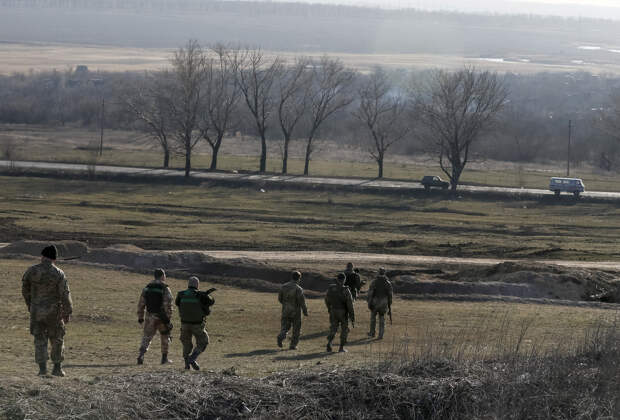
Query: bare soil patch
point(518, 280)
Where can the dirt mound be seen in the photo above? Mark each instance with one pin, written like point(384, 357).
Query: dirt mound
point(66, 249)
point(241, 272)
point(536, 281)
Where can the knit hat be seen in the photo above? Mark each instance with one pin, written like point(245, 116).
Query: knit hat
point(382, 270)
point(50, 252)
point(193, 282)
point(296, 275)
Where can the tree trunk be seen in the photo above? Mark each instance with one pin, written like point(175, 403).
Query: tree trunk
point(215, 150)
point(307, 160)
point(263, 153)
point(285, 155)
point(188, 162)
point(454, 179)
point(380, 163)
point(166, 158)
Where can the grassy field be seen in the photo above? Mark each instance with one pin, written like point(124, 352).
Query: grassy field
point(22, 58)
point(103, 336)
point(127, 148)
point(164, 216)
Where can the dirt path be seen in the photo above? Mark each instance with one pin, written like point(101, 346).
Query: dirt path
point(329, 256)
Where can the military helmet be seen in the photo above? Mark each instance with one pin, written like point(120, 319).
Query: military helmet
point(349, 266)
point(193, 282)
point(381, 271)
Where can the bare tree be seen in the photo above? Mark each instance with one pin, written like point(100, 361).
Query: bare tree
point(330, 93)
point(149, 104)
point(455, 108)
point(256, 77)
point(381, 110)
point(294, 90)
point(185, 98)
point(221, 97)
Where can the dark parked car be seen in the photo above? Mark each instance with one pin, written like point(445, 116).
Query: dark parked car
point(430, 181)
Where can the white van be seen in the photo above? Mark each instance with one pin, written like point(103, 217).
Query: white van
point(569, 185)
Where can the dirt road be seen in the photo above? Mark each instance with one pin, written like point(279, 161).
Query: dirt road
point(330, 256)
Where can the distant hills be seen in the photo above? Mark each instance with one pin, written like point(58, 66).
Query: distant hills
point(300, 27)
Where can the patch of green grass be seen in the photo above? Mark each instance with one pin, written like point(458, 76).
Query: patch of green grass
point(104, 336)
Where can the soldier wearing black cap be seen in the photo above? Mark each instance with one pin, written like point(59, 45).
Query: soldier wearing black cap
point(48, 299)
point(340, 307)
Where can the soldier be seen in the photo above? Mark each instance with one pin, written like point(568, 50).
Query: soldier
point(156, 298)
point(48, 299)
point(293, 302)
point(194, 306)
point(340, 307)
point(353, 280)
point(379, 302)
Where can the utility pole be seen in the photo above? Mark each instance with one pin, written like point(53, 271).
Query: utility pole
point(101, 119)
point(570, 127)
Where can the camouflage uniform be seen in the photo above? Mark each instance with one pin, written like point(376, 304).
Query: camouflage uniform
point(340, 306)
point(153, 321)
point(379, 301)
point(194, 306)
point(48, 298)
point(353, 281)
point(293, 302)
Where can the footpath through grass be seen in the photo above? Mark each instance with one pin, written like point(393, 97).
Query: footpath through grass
point(104, 335)
point(165, 216)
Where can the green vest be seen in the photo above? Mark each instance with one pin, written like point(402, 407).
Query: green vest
point(190, 308)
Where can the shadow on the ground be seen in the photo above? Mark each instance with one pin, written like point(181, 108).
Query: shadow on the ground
point(252, 353)
point(99, 365)
point(311, 356)
point(313, 336)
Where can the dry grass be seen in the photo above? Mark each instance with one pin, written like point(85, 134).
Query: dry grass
point(164, 216)
point(104, 336)
point(440, 360)
point(16, 57)
point(127, 148)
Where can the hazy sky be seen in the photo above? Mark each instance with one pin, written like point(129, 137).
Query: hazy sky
point(577, 8)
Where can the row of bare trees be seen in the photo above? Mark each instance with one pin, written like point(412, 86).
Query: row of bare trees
point(205, 93)
point(201, 96)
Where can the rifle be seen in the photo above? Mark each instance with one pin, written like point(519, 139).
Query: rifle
point(390, 313)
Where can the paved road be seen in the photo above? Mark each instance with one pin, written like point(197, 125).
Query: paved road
point(285, 179)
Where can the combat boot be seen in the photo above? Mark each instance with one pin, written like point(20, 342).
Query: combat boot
point(42, 369)
point(279, 341)
point(141, 357)
point(58, 370)
point(292, 347)
point(192, 360)
point(186, 359)
point(329, 347)
point(164, 359)
point(342, 349)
